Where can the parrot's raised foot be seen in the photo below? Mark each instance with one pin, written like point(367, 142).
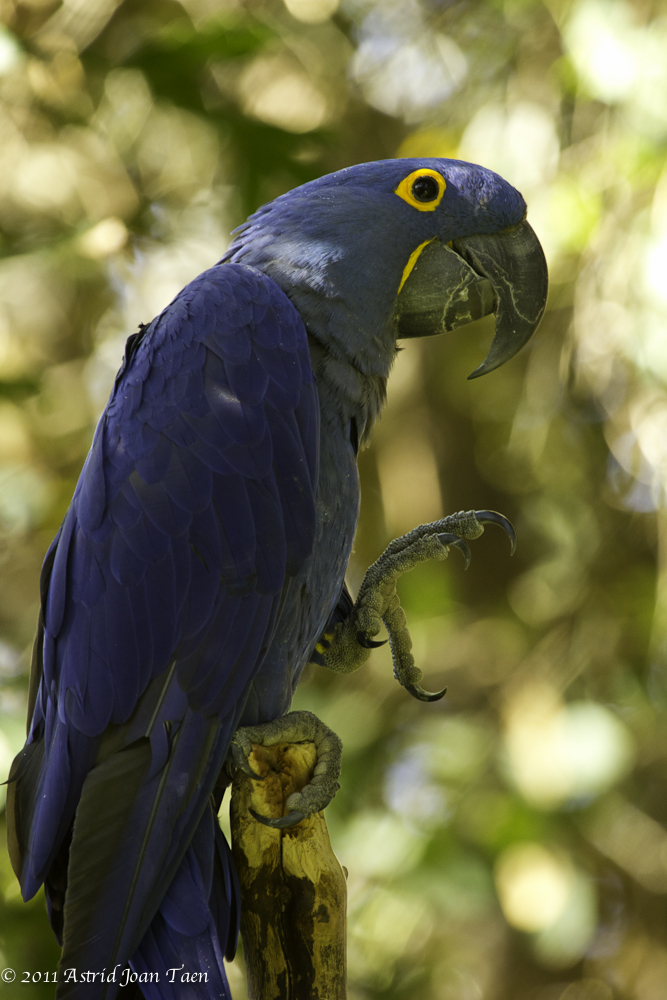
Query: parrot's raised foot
point(295, 727)
point(350, 642)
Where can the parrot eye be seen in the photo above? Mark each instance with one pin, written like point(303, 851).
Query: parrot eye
point(423, 189)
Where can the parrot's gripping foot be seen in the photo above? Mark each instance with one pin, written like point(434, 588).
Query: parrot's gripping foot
point(295, 727)
point(377, 604)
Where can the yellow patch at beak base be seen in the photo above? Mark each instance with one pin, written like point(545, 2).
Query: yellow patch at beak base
point(412, 260)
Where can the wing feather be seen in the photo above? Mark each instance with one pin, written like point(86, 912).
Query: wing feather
point(160, 598)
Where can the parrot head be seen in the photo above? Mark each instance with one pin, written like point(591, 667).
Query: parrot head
point(402, 248)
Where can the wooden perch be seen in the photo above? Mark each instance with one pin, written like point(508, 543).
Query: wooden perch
point(293, 891)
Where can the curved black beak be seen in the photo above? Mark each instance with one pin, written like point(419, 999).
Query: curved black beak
point(504, 272)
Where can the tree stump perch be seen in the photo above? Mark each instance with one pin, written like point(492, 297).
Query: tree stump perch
point(293, 890)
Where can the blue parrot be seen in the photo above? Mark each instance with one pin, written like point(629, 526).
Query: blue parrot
point(201, 563)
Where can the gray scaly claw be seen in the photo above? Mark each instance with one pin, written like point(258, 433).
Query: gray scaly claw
point(493, 517)
point(364, 640)
point(447, 538)
point(241, 762)
point(282, 822)
point(418, 692)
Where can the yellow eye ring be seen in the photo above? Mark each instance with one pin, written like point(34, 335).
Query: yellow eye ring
point(423, 189)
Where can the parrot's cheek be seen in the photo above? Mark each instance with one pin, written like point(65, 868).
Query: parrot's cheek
point(504, 272)
point(441, 293)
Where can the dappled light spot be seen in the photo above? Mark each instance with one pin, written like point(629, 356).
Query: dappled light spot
point(280, 94)
point(620, 59)
point(429, 142)
point(601, 39)
point(12, 730)
point(632, 839)
point(454, 749)
point(7, 754)
point(312, 11)
point(533, 886)
point(559, 752)
point(124, 108)
point(25, 496)
point(376, 843)
point(551, 589)
point(408, 78)
point(519, 142)
point(543, 894)
point(411, 792)
point(384, 925)
point(15, 439)
point(10, 52)
point(107, 237)
point(48, 180)
point(177, 154)
point(587, 989)
point(564, 943)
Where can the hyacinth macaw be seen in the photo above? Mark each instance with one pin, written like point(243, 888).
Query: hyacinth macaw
point(201, 563)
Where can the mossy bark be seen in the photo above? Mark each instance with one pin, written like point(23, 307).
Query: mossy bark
point(293, 891)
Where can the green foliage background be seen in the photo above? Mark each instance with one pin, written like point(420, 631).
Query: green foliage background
point(509, 842)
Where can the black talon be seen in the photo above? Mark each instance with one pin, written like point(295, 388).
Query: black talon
point(493, 517)
point(282, 822)
point(447, 538)
point(241, 762)
point(368, 643)
point(417, 691)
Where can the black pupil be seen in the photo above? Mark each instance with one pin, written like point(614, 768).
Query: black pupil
point(425, 189)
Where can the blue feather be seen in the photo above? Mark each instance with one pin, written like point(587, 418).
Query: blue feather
point(167, 516)
point(252, 463)
point(57, 593)
point(231, 689)
point(159, 607)
point(270, 553)
point(232, 507)
point(145, 540)
point(248, 382)
point(198, 660)
point(188, 480)
point(90, 495)
point(127, 568)
point(152, 467)
point(243, 423)
point(122, 512)
point(193, 937)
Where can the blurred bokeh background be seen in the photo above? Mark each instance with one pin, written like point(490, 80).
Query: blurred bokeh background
point(509, 842)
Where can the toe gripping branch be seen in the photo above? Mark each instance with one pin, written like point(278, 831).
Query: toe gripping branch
point(295, 727)
point(346, 647)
